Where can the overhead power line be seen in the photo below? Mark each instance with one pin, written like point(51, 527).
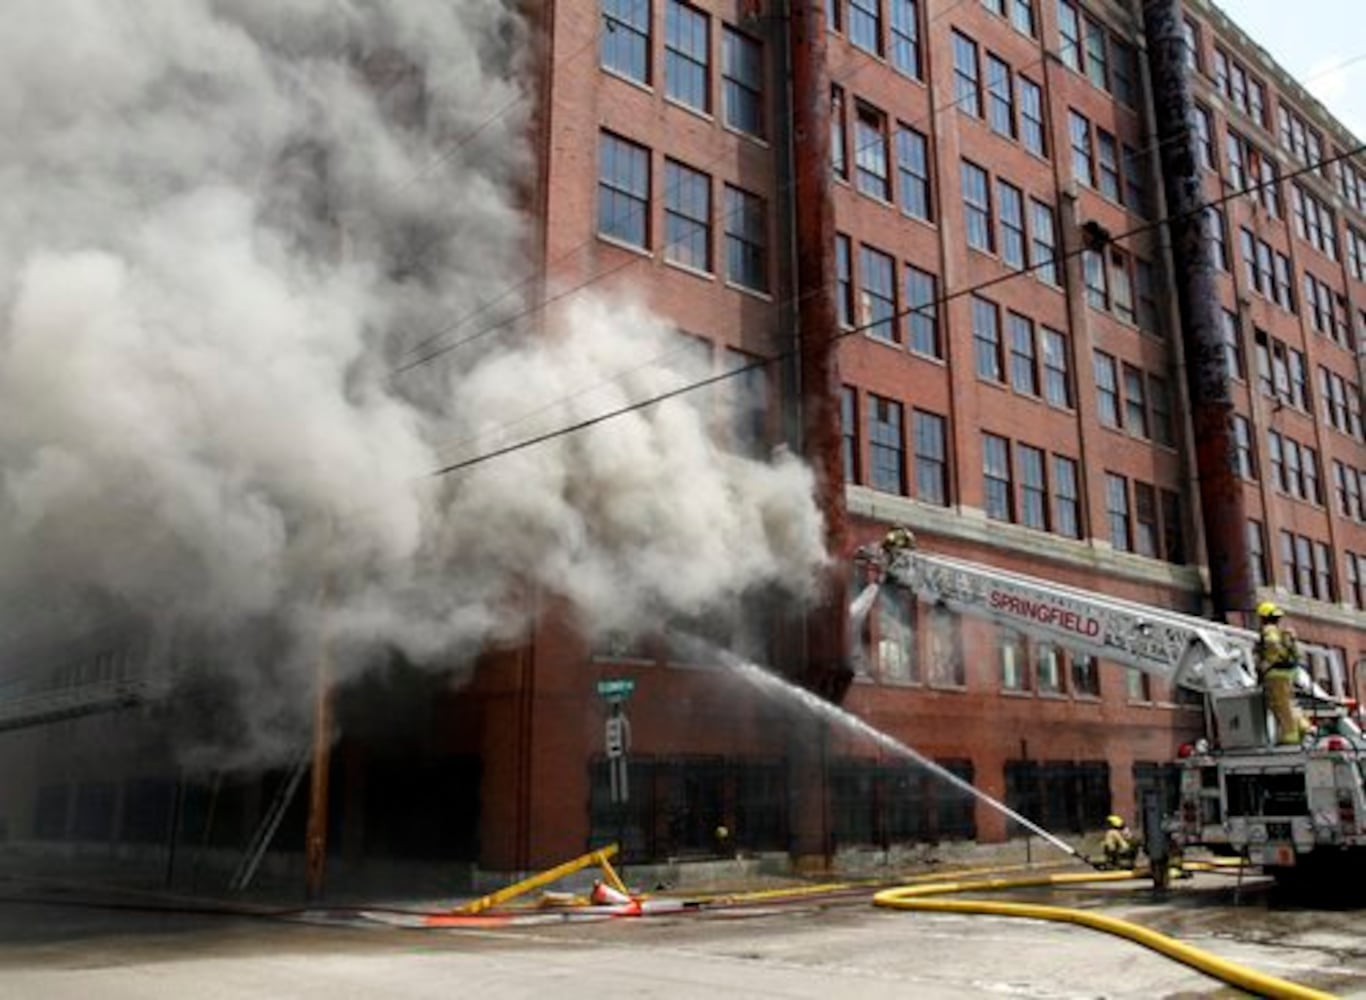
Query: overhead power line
point(920, 309)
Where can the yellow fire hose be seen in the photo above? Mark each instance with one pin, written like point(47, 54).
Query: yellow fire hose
point(1260, 984)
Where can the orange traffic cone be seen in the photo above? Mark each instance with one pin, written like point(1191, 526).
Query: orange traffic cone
point(605, 895)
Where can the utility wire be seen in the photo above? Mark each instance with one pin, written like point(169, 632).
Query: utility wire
point(942, 300)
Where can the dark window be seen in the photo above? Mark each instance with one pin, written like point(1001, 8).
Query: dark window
point(886, 450)
point(1256, 544)
point(1010, 208)
point(931, 462)
point(870, 153)
point(1107, 390)
point(1125, 76)
point(1031, 117)
point(966, 80)
point(746, 239)
point(1159, 399)
point(1033, 490)
point(865, 25)
point(849, 432)
point(742, 75)
point(686, 50)
point(1000, 97)
point(1135, 402)
point(986, 338)
point(1117, 510)
point(1057, 380)
point(845, 281)
point(1173, 528)
point(687, 216)
point(1097, 58)
point(913, 169)
point(977, 207)
point(626, 38)
point(1066, 498)
point(1024, 371)
point(997, 492)
point(839, 158)
point(623, 190)
point(1145, 519)
point(906, 37)
point(922, 312)
point(878, 277)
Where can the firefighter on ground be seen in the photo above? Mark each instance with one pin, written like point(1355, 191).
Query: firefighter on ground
point(1120, 845)
point(1278, 661)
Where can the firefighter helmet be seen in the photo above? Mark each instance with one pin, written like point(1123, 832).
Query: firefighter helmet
point(1268, 609)
point(1114, 821)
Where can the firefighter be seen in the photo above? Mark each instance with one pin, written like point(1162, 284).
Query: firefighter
point(1278, 661)
point(1120, 845)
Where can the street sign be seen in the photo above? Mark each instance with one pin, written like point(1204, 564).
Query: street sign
point(616, 688)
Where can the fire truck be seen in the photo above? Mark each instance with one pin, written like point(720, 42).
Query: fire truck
point(1294, 809)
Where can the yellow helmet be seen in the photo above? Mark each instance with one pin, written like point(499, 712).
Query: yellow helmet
point(1268, 609)
point(1115, 821)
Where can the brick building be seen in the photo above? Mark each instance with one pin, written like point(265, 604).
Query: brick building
point(1040, 423)
point(1012, 384)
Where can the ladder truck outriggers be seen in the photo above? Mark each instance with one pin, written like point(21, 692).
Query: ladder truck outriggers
point(1297, 810)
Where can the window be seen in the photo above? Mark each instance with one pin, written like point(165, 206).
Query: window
point(1079, 129)
point(1256, 546)
point(913, 170)
point(687, 216)
point(977, 207)
point(1215, 224)
point(1233, 344)
point(1069, 26)
point(986, 339)
point(1173, 528)
point(906, 37)
point(1024, 373)
point(746, 240)
point(1033, 491)
point(1313, 490)
point(1285, 289)
point(1097, 62)
point(742, 82)
point(748, 402)
point(839, 156)
point(886, 454)
point(1085, 675)
point(1121, 287)
point(1190, 34)
point(865, 25)
point(1057, 380)
point(1160, 401)
point(1135, 402)
point(1032, 132)
point(1147, 295)
point(1093, 267)
point(626, 38)
point(1117, 510)
point(870, 153)
point(1299, 380)
point(1066, 499)
point(1354, 572)
point(1124, 79)
point(1274, 453)
point(1014, 661)
point(623, 190)
point(931, 463)
point(966, 82)
point(878, 276)
point(896, 637)
point(1045, 248)
point(1245, 458)
point(1022, 15)
point(1048, 668)
point(686, 48)
point(844, 281)
point(945, 665)
point(1010, 207)
point(1000, 97)
point(1204, 143)
point(1135, 186)
point(834, 10)
point(849, 432)
point(1107, 390)
point(1145, 520)
point(1137, 685)
point(997, 492)
point(922, 315)
point(1107, 160)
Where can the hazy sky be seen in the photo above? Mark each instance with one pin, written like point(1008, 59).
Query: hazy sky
point(1322, 43)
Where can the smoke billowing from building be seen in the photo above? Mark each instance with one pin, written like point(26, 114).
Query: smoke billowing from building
point(225, 224)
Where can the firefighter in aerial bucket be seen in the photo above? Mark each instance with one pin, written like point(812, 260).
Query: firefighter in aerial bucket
point(1278, 661)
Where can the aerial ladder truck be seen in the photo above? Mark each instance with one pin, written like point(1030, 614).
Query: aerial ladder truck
point(1294, 809)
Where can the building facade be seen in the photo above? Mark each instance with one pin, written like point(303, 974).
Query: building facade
point(1012, 384)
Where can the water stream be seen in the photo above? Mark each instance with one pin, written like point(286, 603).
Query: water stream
point(774, 685)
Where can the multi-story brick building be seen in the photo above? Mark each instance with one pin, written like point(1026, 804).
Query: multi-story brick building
point(1017, 398)
point(1012, 383)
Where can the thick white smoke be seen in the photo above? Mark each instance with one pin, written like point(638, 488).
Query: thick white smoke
point(224, 223)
